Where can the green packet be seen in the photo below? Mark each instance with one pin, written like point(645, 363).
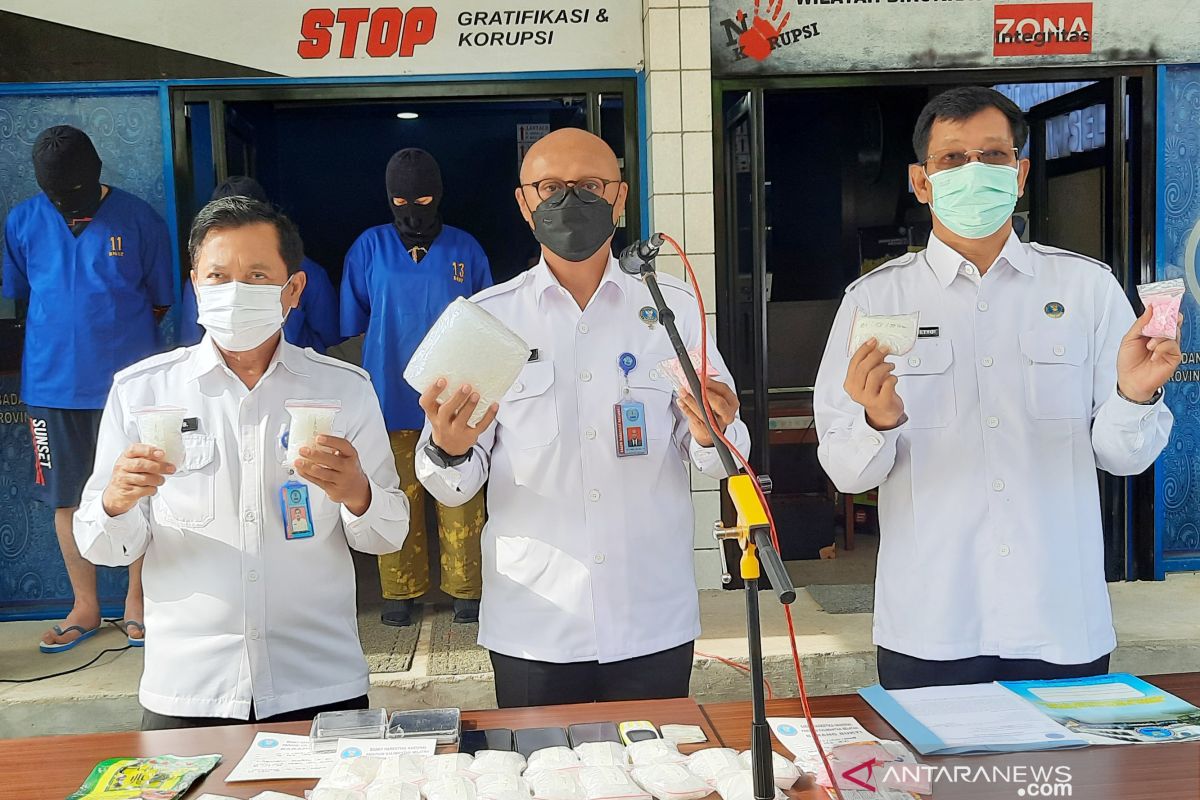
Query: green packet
point(156, 778)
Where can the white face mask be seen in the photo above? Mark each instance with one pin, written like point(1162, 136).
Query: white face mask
point(240, 316)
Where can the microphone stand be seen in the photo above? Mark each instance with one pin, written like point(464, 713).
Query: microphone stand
point(752, 531)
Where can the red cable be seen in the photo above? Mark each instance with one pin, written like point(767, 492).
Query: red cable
point(737, 666)
point(708, 412)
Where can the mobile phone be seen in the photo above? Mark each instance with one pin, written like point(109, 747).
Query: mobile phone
point(530, 740)
point(638, 731)
point(471, 742)
point(593, 732)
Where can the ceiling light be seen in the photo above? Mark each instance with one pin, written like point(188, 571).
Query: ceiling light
point(407, 115)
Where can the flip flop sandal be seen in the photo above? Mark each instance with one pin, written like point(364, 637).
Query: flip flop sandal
point(84, 633)
point(125, 626)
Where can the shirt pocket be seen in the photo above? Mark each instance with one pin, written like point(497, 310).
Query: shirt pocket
point(926, 384)
point(1054, 373)
point(186, 499)
point(528, 411)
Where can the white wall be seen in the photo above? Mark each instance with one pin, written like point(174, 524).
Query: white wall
point(679, 145)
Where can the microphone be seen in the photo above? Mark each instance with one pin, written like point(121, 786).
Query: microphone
point(638, 258)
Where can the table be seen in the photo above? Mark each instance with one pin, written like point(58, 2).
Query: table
point(1127, 772)
point(52, 767)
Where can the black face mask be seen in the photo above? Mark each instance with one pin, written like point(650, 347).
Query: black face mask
point(412, 174)
point(573, 228)
point(67, 169)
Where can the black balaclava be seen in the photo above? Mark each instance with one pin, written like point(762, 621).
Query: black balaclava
point(240, 186)
point(413, 173)
point(67, 169)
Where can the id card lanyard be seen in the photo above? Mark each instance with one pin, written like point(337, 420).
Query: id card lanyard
point(629, 415)
point(294, 505)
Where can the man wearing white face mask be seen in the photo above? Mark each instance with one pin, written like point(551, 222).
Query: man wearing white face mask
point(250, 595)
point(1029, 372)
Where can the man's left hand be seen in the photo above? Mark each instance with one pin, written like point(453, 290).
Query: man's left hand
point(333, 466)
point(724, 407)
point(1144, 365)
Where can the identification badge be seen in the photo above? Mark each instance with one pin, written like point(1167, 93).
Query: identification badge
point(297, 515)
point(630, 419)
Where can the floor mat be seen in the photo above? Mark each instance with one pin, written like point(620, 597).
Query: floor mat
point(388, 649)
point(453, 649)
point(844, 598)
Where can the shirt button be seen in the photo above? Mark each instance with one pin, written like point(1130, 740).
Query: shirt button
point(594, 496)
point(252, 576)
point(968, 269)
point(254, 633)
point(248, 455)
point(585, 376)
point(876, 440)
point(583, 328)
point(914, 362)
point(518, 386)
point(983, 306)
point(1059, 350)
point(998, 485)
point(598, 558)
point(590, 433)
point(988, 361)
point(1004, 550)
point(249, 517)
point(653, 374)
point(993, 422)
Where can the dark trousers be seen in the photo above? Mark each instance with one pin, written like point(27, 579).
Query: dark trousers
point(521, 682)
point(898, 671)
point(161, 722)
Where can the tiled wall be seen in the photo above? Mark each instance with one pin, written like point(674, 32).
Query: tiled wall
point(679, 148)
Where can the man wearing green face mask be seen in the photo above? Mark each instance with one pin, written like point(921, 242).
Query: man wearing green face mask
point(1028, 372)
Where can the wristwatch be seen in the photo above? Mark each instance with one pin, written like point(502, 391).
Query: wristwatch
point(1154, 399)
point(444, 460)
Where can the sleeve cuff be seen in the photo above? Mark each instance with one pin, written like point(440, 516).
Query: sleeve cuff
point(427, 469)
point(357, 524)
point(1134, 414)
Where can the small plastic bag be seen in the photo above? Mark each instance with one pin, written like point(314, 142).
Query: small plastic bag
point(407, 768)
point(468, 345)
point(162, 427)
point(740, 786)
point(387, 789)
point(445, 765)
point(352, 773)
point(609, 783)
point(498, 762)
point(552, 758)
point(714, 763)
point(671, 782)
point(1165, 298)
point(454, 787)
point(786, 773)
point(602, 754)
point(497, 786)
point(674, 370)
point(654, 751)
point(310, 419)
point(896, 333)
point(336, 793)
point(556, 784)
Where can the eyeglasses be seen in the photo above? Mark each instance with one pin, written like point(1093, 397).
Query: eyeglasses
point(589, 190)
point(950, 159)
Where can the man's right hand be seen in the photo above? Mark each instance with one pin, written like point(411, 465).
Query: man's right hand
point(449, 420)
point(871, 384)
point(138, 473)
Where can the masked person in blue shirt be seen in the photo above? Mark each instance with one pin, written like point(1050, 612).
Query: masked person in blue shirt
point(397, 280)
point(94, 265)
point(313, 323)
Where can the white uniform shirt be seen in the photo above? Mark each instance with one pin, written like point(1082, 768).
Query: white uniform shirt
point(586, 556)
point(236, 612)
point(990, 529)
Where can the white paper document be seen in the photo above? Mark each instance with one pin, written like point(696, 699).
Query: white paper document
point(281, 756)
point(385, 748)
point(832, 731)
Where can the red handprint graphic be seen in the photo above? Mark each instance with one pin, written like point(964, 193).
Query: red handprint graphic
point(755, 41)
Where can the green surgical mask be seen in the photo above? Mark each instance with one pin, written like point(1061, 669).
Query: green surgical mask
point(976, 199)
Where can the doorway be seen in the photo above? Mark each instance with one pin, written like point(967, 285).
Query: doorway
point(813, 183)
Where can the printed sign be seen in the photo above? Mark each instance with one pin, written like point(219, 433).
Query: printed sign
point(429, 37)
point(765, 37)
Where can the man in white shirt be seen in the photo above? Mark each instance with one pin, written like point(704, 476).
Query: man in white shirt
point(1028, 374)
point(251, 616)
point(589, 590)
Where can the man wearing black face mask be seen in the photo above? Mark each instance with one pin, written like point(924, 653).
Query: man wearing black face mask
point(589, 590)
point(397, 279)
point(94, 264)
